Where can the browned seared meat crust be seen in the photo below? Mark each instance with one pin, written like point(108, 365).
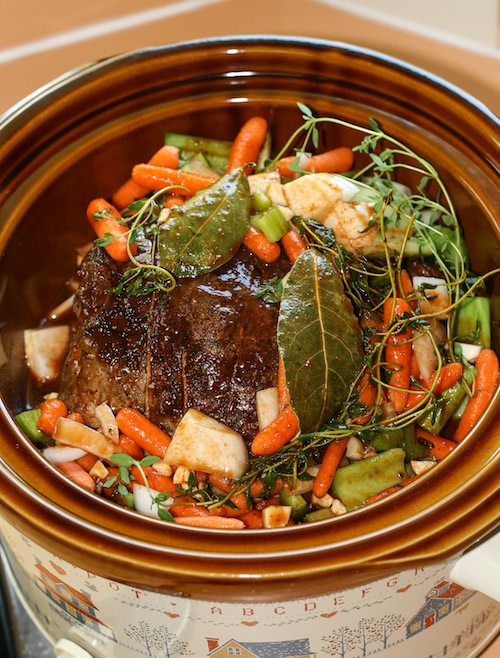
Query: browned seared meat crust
point(209, 345)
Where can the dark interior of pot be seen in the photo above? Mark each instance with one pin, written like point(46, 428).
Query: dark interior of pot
point(79, 139)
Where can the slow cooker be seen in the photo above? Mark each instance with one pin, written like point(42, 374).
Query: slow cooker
point(414, 573)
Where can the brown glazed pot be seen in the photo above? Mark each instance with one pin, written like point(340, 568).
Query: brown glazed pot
point(77, 139)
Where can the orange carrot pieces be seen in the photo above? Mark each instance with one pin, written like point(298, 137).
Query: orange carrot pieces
point(223, 483)
point(156, 178)
point(283, 395)
point(218, 522)
point(258, 244)
point(367, 390)
point(139, 428)
point(252, 519)
point(78, 474)
point(398, 353)
point(187, 506)
point(485, 384)
point(104, 219)
point(367, 396)
point(247, 144)
point(405, 288)
point(237, 506)
point(336, 160)
point(284, 166)
point(439, 447)
point(87, 462)
point(167, 156)
point(415, 396)
point(155, 480)
point(276, 434)
point(130, 447)
point(448, 376)
point(174, 200)
point(328, 467)
point(293, 244)
point(50, 412)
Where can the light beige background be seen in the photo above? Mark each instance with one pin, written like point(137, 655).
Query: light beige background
point(39, 41)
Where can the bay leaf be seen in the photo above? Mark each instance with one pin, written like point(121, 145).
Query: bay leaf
point(319, 339)
point(207, 230)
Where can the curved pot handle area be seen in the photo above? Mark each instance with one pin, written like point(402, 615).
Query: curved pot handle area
point(479, 568)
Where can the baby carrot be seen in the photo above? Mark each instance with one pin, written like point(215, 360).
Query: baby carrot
point(276, 434)
point(156, 178)
point(87, 462)
point(155, 480)
point(187, 506)
point(405, 287)
point(104, 219)
point(398, 353)
point(50, 412)
point(415, 396)
point(258, 489)
point(439, 446)
point(218, 522)
point(167, 156)
point(148, 435)
point(448, 376)
point(336, 160)
point(174, 200)
point(293, 244)
point(258, 244)
point(367, 396)
point(284, 166)
point(78, 474)
point(328, 467)
point(130, 447)
point(485, 384)
point(247, 143)
point(252, 519)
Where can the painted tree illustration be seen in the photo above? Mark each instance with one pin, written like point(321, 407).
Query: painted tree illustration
point(379, 630)
point(158, 641)
point(340, 641)
point(169, 644)
point(141, 633)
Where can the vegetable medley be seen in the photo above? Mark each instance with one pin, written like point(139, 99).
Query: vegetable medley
point(385, 362)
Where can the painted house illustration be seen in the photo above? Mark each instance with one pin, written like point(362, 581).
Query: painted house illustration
point(285, 649)
point(76, 604)
point(440, 601)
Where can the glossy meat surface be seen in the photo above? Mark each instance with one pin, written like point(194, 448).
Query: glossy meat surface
point(209, 345)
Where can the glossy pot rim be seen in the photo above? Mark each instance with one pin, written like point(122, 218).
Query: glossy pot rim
point(330, 541)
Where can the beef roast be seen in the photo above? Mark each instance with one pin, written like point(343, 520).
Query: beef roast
point(210, 344)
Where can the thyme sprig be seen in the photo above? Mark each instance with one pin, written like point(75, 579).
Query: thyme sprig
point(145, 275)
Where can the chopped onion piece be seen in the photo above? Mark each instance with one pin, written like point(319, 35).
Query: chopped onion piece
point(61, 454)
point(45, 350)
point(78, 435)
point(143, 500)
point(435, 299)
point(469, 352)
point(276, 516)
point(267, 406)
point(62, 309)
point(107, 421)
